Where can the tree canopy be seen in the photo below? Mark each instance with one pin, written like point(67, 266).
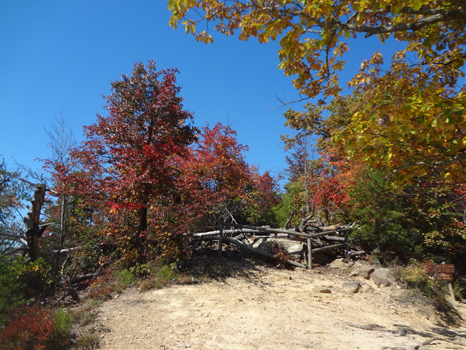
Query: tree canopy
point(126, 165)
point(411, 117)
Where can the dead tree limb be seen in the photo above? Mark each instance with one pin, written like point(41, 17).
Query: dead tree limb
point(13, 251)
point(262, 252)
point(288, 222)
point(31, 222)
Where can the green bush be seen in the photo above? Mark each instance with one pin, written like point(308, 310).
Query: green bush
point(293, 200)
point(21, 280)
point(12, 293)
point(166, 274)
point(125, 278)
point(382, 215)
point(63, 322)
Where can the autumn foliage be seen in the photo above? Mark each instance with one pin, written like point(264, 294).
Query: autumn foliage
point(411, 116)
point(151, 176)
point(31, 328)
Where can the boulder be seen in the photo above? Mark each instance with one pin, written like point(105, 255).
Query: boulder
point(365, 288)
point(291, 247)
point(380, 277)
point(366, 272)
point(339, 264)
point(351, 287)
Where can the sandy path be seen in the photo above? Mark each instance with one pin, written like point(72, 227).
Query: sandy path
point(264, 308)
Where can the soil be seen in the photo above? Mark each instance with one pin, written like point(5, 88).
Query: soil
point(249, 304)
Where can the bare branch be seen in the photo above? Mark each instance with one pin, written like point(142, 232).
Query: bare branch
point(68, 250)
point(32, 184)
point(12, 252)
point(440, 16)
point(451, 160)
point(12, 236)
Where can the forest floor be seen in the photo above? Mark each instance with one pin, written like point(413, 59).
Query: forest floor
point(249, 304)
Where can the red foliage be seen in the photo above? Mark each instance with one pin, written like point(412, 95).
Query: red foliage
point(31, 328)
point(263, 196)
point(328, 189)
point(278, 251)
point(126, 162)
point(214, 174)
point(149, 177)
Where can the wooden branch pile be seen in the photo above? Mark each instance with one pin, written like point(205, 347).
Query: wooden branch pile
point(254, 238)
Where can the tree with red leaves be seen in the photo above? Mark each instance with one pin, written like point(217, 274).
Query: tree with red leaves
point(262, 198)
point(216, 178)
point(126, 162)
point(328, 187)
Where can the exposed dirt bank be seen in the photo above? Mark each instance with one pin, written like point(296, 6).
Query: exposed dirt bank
point(254, 306)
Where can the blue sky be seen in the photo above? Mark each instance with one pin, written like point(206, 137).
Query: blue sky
point(59, 57)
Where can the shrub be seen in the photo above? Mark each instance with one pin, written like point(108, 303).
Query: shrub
point(278, 251)
point(124, 279)
point(424, 288)
point(20, 280)
point(166, 274)
point(101, 287)
point(31, 328)
point(63, 323)
point(381, 214)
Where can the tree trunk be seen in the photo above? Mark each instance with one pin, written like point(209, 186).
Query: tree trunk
point(31, 222)
point(142, 229)
point(56, 258)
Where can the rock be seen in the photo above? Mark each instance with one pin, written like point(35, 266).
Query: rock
point(320, 290)
point(351, 287)
point(291, 247)
point(380, 277)
point(354, 273)
point(366, 272)
point(365, 288)
point(338, 264)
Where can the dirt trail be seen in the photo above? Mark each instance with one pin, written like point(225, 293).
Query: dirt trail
point(258, 307)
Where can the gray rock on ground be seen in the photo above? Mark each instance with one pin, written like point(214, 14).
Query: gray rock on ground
point(366, 272)
point(321, 290)
point(339, 264)
point(380, 277)
point(351, 287)
point(291, 247)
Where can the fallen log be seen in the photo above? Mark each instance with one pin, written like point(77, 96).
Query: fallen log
point(67, 250)
point(202, 239)
point(269, 230)
point(340, 245)
point(217, 232)
point(83, 278)
point(262, 252)
point(326, 233)
point(334, 238)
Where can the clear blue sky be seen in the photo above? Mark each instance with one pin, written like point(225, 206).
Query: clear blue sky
point(59, 57)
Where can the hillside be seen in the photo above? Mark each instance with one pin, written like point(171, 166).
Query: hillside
point(254, 306)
